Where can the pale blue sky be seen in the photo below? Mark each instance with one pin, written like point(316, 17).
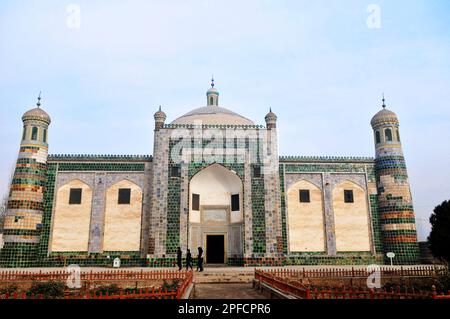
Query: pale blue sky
point(316, 63)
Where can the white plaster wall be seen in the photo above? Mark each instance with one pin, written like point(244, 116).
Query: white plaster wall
point(71, 222)
point(351, 219)
point(305, 220)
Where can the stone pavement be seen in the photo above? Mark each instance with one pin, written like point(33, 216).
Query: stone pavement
point(226, 291)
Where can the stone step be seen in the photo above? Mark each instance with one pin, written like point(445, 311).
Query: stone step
point(211, 276)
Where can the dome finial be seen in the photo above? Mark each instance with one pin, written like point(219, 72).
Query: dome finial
point(39, 100)
point(160, 108)
point(212, 81)
point(384, 104)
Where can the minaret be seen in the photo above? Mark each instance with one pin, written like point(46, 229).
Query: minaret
point(271, 120)
point(395, 205)
point(26, 204)
point(212, 95)
point(160, 118)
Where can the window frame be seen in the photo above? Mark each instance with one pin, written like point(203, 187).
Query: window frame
point(34, 133)
point(257, 171)
point(234, 203)
point(196, 202)
point(388, 137)
point(377, 137)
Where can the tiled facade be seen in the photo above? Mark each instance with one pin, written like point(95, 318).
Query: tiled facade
point(165, 177)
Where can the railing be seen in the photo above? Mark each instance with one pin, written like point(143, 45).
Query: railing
point(282, 284)
point(286, 281)
point(439, 296)
point(349, 293)
point(136, 294)
point(419, 271)
point(21, 277)
point(111, 275)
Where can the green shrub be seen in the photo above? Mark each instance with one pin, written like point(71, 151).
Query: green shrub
point(9, 290)
point(111, 289)
point(173, 286)
point(49, 289)
point(442, 280)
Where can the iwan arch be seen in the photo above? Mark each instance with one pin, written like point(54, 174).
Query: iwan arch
point(215, 180)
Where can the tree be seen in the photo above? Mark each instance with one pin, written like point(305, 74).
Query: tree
point(439, 238)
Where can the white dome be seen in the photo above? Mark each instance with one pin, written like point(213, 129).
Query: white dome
point(213, 115)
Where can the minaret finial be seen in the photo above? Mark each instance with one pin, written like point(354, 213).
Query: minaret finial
point(384, 104)
point(212, 81)
point(39, 100)
point(160, 108)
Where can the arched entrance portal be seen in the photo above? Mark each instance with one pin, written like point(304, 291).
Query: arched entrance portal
point(216, 214)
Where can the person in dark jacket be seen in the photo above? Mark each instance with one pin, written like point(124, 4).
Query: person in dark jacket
point(179, 255)
point(188, 259)
point(200, 259)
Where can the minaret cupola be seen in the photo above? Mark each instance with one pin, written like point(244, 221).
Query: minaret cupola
point(212, 95)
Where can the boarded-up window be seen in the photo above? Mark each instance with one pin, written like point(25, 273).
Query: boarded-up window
point(75, 196)
point(304, 196)
point(124, 196)
point(257, 171)
point(195, 202)
point(348, 196)
point(175, 171)
point(235, 203)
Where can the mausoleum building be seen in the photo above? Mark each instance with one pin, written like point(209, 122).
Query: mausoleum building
point(215, 180)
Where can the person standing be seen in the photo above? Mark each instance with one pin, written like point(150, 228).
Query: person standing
point(179, 255)
point(200, 259)
point(188, 259)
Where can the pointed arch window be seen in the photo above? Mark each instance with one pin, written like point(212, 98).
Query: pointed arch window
point(34, 133)
point(24, 136)
point(211, 100)
point(377, 137)
point(398, 135)
point(388, 134)
point(44, 136)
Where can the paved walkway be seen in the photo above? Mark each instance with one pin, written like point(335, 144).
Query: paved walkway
point(226, 291)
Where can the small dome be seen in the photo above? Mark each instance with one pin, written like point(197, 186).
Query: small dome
point(37, 114)
point(160, 115)
point(384, 116)
point(271, 117)
point(216, 115)
point(212, 90)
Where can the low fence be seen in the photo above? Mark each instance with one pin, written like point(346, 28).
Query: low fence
point(88, 278)
point(439, 296)
point(287, 282)
point(385, 271)
point(111, 275)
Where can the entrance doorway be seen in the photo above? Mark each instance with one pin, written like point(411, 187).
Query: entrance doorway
point(215, 249)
